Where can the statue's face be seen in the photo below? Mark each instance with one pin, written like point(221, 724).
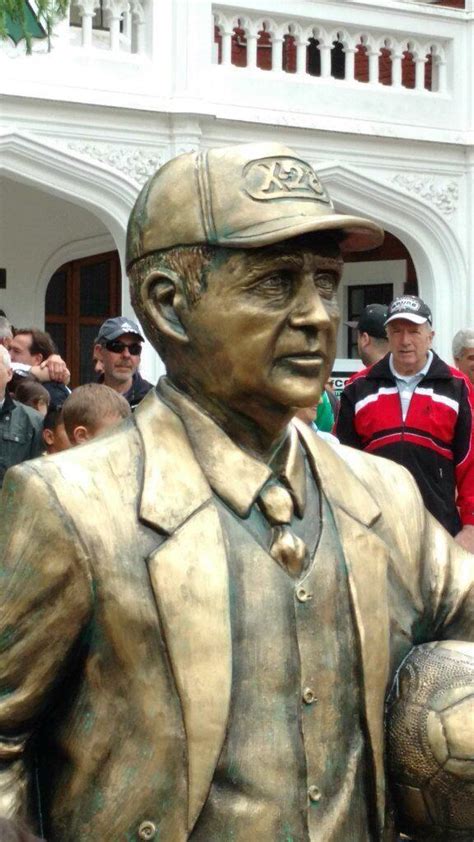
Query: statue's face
point(263, 332)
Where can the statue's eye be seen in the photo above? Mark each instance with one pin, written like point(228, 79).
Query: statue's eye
point(326, 283)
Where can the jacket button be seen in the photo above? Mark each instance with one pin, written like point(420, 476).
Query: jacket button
point(147, 830)
point(309, 696)
point(314, 794)
point(302, 595)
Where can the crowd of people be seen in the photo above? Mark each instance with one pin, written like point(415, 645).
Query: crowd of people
point(406, 404)
point(39, 413)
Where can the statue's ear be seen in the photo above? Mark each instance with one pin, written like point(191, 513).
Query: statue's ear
point(162, 300)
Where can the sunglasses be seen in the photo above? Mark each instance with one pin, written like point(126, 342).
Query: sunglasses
point(117, 347)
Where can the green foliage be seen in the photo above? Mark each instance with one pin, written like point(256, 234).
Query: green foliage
point(19, 15)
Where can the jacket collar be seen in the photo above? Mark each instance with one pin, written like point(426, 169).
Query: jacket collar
point(235, 476)
point(7, 406)
point(438, 369)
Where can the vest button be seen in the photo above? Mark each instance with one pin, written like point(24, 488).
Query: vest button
point(147, 830)
point(302, 595)
point(308, 696)
point(314, 793)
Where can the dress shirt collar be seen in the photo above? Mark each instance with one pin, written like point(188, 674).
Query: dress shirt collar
point(409, 377)
point(236, 476)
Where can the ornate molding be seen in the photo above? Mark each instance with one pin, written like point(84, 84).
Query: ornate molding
point(443, 195)
point(138, 163)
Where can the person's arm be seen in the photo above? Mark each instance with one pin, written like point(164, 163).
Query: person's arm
point(345, 426)
point(463, 450)
point(53, 368)
point(45, 601)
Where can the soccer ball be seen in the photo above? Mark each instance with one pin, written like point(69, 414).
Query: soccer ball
point(430, 742)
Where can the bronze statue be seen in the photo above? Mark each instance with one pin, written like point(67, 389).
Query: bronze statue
point(201, 613)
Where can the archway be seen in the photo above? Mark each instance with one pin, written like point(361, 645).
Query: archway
point(89, 187)
point(434, 248)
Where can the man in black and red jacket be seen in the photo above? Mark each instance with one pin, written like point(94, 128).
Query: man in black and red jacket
point(413, 408)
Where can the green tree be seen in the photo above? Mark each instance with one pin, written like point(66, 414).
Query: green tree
point(18, 20)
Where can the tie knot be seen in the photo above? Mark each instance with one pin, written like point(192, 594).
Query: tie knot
point(276, 504)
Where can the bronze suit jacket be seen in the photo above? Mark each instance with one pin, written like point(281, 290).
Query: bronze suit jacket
point(115, 639)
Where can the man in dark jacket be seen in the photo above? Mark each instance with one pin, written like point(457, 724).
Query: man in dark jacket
point(118, 348)
point(20, 425)
point(413, 408)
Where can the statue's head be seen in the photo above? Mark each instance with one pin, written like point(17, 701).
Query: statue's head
point(234, 257)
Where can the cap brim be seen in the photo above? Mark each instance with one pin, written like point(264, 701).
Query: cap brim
point(358, 234)
point(408, 317)
point(352, 324)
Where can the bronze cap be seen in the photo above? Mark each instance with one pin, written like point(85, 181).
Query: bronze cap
point(242, 196)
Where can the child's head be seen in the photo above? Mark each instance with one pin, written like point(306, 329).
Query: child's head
point(54, 435)
point(33, 394)
point(91, 409)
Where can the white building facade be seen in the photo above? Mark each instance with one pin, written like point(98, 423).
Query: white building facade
point(379, 96)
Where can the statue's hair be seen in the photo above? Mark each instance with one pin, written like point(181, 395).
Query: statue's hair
point(190, 263)
point(463, 339)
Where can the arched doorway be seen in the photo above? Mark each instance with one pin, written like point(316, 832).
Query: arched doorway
point(376, 276)
point(80, 296)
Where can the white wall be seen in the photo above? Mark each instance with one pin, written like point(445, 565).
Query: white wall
point(34, 226)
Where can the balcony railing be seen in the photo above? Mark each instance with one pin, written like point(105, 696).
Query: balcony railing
point(307, 48)
point(363, 65)
point(108, 24)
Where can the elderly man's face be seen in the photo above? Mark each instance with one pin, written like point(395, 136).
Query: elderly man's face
point(263, 334)
point(465, 363)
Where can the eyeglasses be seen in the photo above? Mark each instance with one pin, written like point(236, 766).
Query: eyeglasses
point(117, 347)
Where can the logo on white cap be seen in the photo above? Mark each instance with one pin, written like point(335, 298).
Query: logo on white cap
point(405, 304)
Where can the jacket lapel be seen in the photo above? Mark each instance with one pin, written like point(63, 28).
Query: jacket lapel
point(366, 554)
point(189, 577)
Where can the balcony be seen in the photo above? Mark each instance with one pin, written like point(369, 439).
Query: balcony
point(392, 68)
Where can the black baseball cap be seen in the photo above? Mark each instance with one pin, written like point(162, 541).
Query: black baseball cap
point(113, 328)
point(411, 308)
point(372, 321)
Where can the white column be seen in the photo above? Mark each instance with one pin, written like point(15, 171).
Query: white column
point(325, 50)
point(396, 69)
point(251, 50)
point(137, 36)
point(373, 53)
point(277, 53)
point(442, 78)
point(226, 45)
point(420, 73)
point(116, 9)
point(350, 64)
point(127, 25)
point(87, 9)
point(301, 56)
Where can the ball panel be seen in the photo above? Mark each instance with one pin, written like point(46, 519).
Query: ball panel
point(437, 737)
point(458, 725)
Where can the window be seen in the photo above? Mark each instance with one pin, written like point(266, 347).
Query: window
point(358, 298)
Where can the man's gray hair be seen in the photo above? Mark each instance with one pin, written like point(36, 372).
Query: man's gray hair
point(5, 329)
point(5, 357)
point(463, 339)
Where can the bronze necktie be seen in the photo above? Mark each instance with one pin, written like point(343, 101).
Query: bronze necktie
point(287, 549)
